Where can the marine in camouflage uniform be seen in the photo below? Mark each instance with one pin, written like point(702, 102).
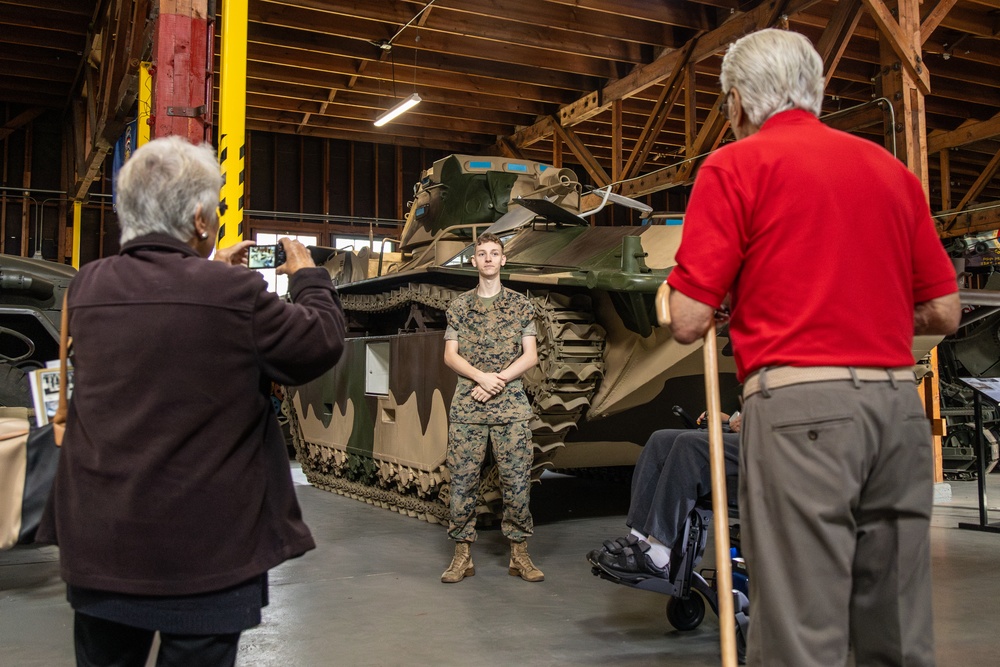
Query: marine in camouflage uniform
point(488, 335)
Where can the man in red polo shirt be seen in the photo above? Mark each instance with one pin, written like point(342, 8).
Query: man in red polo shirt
point(825, 245)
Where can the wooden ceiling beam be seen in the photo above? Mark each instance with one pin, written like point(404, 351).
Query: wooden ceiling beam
point(281, 126)
point(950, 110)
point(983, 92)
point(543, 49)
point(708, 45)
point(580, 150)
point(684, 14)
point(457, 97)
point(966, 133)
point(971, 222)
point(12, 87)
point(74, 7)
point(974, 190)
point(711, 133)
point(931, 22)
point(421, 116)
point(612, 21)
point(361, 100)
point(20, 120)
point(422, 60)
point(27, 70)
point(31, 98)
point(972, 20)
point(367, 128)
point(18, 16)
point(407, 79)
point(661, 111)
point(509, 149)
point(982, 74)
point(44, 39)
point(900, 43)
point(967, 19)
point(39, 56)
point(837, 34)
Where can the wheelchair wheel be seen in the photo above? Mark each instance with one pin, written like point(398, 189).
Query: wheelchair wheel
point(686, 614)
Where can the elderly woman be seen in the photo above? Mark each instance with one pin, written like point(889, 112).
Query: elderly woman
point(174, 496)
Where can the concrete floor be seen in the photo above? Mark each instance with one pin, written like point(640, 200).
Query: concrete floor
point(370, 594)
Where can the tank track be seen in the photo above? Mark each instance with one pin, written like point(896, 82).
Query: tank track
point(561, 386)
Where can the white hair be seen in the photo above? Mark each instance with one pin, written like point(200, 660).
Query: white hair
point(162, 184)
point(774, 70)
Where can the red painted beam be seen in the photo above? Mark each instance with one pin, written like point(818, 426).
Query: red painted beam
point(181, 54)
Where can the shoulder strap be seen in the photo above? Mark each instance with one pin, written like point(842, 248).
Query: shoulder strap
point(60, 415)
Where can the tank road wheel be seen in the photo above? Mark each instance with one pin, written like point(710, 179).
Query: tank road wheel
point(686, 614)
point(14, 390)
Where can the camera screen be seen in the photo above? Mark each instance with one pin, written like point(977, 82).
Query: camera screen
point(261, 256)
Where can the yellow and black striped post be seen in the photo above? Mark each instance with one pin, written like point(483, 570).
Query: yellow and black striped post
point(145, 103)
point(232, 119)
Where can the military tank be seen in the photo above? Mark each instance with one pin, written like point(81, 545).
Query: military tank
point(31, 296)
point(375, 427)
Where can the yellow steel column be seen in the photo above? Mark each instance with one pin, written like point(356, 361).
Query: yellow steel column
point(77, 221)
point(232, 118)
point(145, 103)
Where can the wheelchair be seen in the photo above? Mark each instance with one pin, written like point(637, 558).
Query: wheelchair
point(689, 588)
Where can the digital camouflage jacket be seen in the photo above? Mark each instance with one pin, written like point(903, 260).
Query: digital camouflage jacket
point(489, 338)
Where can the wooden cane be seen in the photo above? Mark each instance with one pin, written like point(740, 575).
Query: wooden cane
point(720, 504)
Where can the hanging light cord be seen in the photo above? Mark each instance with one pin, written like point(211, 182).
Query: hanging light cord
point(415, 17)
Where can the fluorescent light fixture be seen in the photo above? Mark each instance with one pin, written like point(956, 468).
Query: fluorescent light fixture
point(401, 108)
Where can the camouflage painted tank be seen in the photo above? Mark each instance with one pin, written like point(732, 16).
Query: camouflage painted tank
point(375, 427)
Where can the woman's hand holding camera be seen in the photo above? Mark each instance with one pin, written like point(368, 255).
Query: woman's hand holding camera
point(297, 257)
point(234, 255)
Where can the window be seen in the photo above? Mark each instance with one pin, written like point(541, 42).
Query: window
point(356, 244)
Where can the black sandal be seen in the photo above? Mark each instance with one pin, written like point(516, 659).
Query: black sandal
point(631, 564)
point(620, 543)
point(612, 547)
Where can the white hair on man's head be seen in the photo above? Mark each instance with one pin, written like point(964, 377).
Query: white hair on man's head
point(774, 70)
point(162, 184)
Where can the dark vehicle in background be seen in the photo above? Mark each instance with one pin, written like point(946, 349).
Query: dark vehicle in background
point(31, 298)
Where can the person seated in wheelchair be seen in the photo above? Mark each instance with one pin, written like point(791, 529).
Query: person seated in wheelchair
point(671, 476)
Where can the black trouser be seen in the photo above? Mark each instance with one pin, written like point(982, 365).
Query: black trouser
point(672, 473)
point(101, 643)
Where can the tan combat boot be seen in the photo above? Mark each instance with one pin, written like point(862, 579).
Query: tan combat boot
point(521, 565)
point(461, 565)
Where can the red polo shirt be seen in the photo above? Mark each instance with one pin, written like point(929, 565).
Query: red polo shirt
point(825, 241)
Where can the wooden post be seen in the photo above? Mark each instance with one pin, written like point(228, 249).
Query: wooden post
point(26, 182)
point(945, 179)
point(904, 82)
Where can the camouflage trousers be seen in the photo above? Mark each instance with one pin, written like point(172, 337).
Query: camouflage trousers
point(513, 453)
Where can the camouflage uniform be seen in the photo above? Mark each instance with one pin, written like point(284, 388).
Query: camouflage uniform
point(489, 338)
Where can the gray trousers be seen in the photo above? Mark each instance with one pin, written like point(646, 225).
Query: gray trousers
point(836, 488)
point(671, 475)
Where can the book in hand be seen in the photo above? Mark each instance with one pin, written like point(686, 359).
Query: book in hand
point(45, 392)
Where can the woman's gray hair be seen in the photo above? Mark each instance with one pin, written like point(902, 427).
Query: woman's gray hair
point(162, 184)
point(774, 70)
